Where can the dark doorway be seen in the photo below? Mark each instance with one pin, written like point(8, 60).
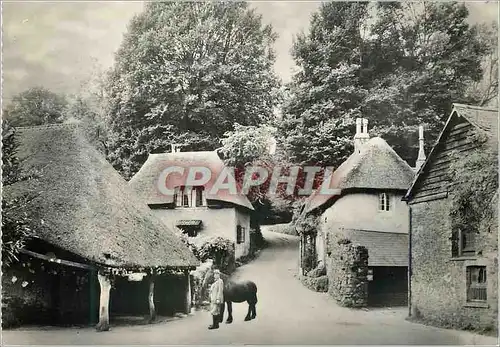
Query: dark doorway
point(389, 286)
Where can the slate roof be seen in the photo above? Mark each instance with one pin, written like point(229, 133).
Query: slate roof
point(483, 118)
point(377, 166)
point(145, 181)
point(86, 207)
point(384, 249)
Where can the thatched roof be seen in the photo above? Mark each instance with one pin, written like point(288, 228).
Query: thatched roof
point(376, 166)
point(485, 119)
point(87, 207)
point(145, 181)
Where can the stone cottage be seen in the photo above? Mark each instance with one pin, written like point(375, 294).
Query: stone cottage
point(453, 272)
point(93, 240)
point(195, 210)
point(361, 234)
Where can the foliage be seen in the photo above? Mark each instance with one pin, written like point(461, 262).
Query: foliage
point(318, 284)
point(398, 64)
point(16, 229)
point(485, 91)
point(219, 249)
point(474, 180)
point(245, 144)
point(185, 73)
point(307, 225)
point(36, 106)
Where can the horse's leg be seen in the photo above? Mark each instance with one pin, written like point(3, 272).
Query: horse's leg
point(248, 316)
point(221, 316)
point(229, 312)
point(253, 303)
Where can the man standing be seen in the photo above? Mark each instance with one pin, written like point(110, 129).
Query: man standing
point(216, 299)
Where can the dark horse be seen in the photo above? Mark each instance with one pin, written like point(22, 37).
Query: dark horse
point(234, 291)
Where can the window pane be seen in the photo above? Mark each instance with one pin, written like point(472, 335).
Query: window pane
point(199, 192)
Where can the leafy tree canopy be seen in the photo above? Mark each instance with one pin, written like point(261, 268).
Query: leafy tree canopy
point(398, 64)
point(185, 73)
point(36, 106)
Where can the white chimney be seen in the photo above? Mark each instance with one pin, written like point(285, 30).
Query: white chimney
point(421, 151)
point(362, 135)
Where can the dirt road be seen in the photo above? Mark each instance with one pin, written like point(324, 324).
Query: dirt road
point(287, 313)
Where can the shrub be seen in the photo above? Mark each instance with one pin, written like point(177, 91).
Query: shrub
point(318, 284)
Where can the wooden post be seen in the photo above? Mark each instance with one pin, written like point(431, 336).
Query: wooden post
point(301, 256)
point(188, 293)
point(152, 311)
point(105, 284)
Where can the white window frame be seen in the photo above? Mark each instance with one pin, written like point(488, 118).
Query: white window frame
point(384, 202)
point(190, 193)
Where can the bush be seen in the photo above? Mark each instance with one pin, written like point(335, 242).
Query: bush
point(257, 241)
point(318, 284)
point(219, 249)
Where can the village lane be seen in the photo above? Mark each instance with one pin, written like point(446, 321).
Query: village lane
point(287, 313)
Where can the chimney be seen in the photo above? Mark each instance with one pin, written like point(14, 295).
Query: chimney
point(362, 135)
point(176, 147)
point(421, 152)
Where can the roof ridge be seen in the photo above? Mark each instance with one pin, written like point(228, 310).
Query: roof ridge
point(474, 107)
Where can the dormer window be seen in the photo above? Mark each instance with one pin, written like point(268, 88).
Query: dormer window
point(190, 196)
point(384, 202)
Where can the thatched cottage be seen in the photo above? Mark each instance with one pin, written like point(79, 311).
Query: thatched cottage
point(453, 271)
point(194, 210)
point(93, 235)
point(361, 234)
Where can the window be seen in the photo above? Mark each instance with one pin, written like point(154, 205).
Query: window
point(463, 243)
point(240, 234)
point(198, 191)
point(476, 283)
point(189, 196)
point(383, 200)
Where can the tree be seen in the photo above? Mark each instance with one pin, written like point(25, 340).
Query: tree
point(36, 106)
point(15, 220)
point(485, 91)
point(398, 64)
point(250, 146)
point(186, 72)
point(324, 96)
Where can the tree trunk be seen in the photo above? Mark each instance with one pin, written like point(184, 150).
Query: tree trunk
point(188, 294)
point(105, 284)
point(152, 311)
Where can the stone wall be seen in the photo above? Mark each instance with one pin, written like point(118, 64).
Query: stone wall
point(347, 270)
point(438, 281)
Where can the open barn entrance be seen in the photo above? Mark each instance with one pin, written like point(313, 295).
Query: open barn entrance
point(388, 286)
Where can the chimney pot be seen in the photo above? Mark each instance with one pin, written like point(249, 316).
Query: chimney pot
point(358, 126)
point(365, 126)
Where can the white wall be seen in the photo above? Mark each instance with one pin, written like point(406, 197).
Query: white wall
point(242, 219)
point(216, 222)
point(361, 211)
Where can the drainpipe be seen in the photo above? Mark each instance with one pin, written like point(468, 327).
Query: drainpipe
point(409, 260)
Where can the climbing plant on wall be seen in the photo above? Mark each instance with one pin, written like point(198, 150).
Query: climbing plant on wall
point(474, 180)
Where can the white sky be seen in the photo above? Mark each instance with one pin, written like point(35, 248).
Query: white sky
point(58, 45)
